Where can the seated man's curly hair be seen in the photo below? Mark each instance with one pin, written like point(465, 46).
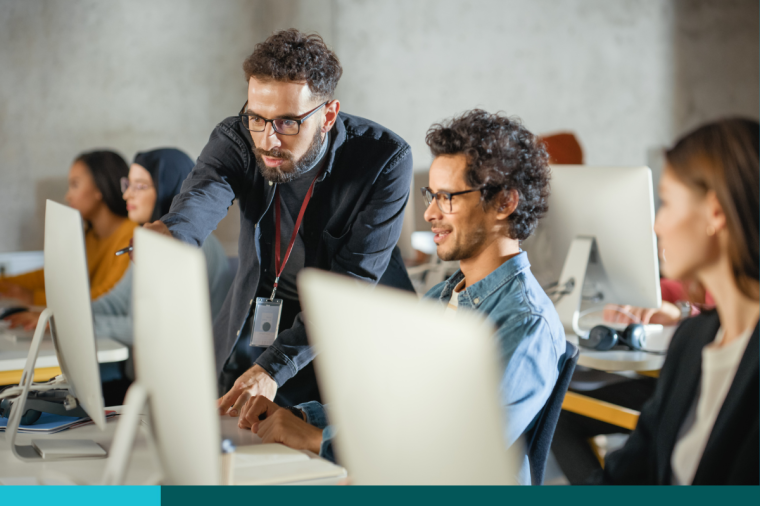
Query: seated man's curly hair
point(502, 155)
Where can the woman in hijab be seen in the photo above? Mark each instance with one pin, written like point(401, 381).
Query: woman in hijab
point(155, 177)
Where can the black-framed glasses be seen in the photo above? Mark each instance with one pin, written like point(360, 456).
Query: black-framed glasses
point(443, 199)
point(283, 126)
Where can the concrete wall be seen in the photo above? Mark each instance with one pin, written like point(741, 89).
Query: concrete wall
point(130, 75)
point(627, 76)
point(716, 54)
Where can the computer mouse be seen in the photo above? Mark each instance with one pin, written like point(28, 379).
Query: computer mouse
point(6, 312)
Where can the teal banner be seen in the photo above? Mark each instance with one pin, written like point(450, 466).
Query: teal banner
point(461, 496)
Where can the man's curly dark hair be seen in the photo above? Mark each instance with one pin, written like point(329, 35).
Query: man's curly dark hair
point(502, 155)
point(290, 55)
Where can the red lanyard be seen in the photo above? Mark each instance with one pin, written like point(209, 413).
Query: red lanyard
point(279, 265)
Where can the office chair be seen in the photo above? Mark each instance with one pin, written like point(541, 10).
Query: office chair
point(540, 438)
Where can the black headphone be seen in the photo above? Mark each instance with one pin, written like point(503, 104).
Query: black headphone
point(603, 338)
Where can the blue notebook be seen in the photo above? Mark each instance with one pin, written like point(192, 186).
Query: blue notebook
point(50, 424)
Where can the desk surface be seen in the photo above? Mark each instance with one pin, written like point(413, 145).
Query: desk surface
point(143, 467)
point(13, 352)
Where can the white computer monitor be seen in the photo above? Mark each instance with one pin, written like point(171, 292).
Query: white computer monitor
point(69, 311)
point(413, 391)
point(599, 233)
point(174, 367)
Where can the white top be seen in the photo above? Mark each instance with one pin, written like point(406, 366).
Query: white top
point(454, 300)
point(719, 365)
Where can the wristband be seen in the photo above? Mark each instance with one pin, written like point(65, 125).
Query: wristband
point(685, 308)
point(299, 414)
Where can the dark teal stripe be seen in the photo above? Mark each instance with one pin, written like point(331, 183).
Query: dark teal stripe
point(461, 496)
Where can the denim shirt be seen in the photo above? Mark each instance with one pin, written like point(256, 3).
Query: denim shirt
point(530, 337)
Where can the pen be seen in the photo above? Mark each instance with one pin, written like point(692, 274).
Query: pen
point(124, 250)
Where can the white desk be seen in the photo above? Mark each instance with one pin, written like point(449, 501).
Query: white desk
point(13, 352)
point(143, 468)
point(616, 361)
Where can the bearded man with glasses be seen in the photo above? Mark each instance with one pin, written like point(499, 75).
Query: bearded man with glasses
point(316, 188)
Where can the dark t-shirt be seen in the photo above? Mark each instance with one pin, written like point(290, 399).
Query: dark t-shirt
point(292, 195)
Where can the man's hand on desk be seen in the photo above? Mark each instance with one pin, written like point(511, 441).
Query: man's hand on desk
point(13, 291)
point(667, 314)
point(26, 319)
point(255, 381)
point(285, 428)
point(276, 425)
point(257, 408)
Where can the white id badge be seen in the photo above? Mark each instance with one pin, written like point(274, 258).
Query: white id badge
point(266, 321)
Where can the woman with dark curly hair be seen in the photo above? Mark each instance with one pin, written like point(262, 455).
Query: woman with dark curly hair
point(489, 187)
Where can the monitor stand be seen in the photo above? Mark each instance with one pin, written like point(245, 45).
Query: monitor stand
point(136, 403)
point(129, 423)
point(65, 449)
point(568, 306)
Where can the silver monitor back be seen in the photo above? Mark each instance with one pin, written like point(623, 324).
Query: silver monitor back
point(174, 357)
point(412, 390)
point(67, 288)
point(615, 206)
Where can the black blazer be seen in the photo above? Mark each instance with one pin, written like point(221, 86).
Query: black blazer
point(732, 454)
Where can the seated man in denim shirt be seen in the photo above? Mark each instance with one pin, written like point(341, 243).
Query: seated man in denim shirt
point(489, 185)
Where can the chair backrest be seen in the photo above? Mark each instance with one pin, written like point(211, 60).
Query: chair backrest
point(540, 438)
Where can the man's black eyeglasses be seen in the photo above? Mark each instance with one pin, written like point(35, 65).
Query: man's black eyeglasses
point(283, 126)
point(443, 199)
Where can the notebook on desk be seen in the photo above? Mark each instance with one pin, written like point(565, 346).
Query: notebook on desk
point(49, 423)
point(273, 464)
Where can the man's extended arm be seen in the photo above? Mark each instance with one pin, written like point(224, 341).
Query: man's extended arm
point(208, 191)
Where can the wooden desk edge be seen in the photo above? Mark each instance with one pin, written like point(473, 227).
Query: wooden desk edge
point(600, 410)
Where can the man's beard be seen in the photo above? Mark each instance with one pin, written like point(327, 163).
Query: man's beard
point(289, 170)
point(467, 245)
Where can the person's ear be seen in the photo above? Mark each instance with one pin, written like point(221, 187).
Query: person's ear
point(331, 115)
point(716, 218)
point(507, 202)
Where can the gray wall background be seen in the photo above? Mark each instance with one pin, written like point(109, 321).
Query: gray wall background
point(627, 76)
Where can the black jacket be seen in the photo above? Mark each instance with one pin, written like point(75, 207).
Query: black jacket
point(351, 226)
point(732, 454)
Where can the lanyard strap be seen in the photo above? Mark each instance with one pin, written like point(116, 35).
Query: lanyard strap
point(279, 263)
